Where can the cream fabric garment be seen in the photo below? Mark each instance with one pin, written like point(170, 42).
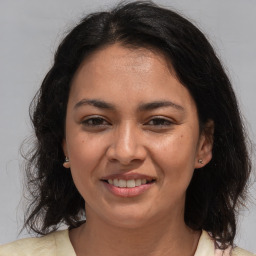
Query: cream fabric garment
point(58, 244)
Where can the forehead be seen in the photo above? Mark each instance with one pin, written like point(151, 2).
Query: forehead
point(119, 72)
point(123, 58)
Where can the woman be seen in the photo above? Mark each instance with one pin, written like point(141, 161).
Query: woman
point(137, 129)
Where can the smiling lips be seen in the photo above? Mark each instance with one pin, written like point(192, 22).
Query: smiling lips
point(128, 185)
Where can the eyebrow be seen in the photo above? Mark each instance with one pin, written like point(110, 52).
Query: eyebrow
point(159, 104)
point(142, 107)
point(96, 103)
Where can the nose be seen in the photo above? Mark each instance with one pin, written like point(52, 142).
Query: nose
point(126, 146)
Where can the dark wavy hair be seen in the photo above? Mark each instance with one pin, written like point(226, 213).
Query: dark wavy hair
point(216, 190)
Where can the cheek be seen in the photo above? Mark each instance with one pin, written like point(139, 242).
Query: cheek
point(85, 153)
point(175, 157)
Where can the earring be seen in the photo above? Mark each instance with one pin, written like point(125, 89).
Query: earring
point(66, 163)
point(200, 161)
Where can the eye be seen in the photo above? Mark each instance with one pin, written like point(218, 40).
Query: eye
point(95, 122)
point(159, 122)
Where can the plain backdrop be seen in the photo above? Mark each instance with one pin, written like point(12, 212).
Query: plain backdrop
point(30, 31)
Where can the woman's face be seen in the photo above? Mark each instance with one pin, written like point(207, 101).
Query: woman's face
point(132, 137)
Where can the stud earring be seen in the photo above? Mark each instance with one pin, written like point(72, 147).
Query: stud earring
point(66, 163)
point(200, 161)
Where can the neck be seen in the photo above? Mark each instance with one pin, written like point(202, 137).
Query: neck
point(97, 237)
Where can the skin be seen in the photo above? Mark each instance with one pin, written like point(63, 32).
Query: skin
point(162, 142)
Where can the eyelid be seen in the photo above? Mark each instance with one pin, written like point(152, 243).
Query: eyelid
point(94, 117)
point(161, 118)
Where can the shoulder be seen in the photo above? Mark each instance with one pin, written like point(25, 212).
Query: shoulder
point(241, 252)
point(206, 247)
point(236, 251)
point(46, 245)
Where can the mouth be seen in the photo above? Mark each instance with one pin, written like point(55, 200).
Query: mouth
point(129, 183)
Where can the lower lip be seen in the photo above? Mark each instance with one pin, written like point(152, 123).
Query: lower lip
point(128, 192)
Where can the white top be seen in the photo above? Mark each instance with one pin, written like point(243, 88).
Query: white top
point(58, 244)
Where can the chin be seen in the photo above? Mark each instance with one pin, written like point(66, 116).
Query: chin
point(131, 218)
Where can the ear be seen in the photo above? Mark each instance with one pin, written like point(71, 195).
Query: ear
point(64, 147)
point(66, 162)
point(205, 144)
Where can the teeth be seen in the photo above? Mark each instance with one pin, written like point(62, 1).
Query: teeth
point(127, 183)
point(122, 183)
point(130, 183)
point(116, 183)
point(137, 183)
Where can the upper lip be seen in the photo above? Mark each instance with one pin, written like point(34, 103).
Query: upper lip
point(128, 176)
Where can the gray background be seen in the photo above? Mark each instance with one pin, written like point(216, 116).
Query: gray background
point(30, 32)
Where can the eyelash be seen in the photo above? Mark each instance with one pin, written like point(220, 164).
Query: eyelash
point(99, 122)
point(162, 122)
point(95, 122)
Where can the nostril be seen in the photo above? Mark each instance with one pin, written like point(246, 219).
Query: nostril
point(126, 149)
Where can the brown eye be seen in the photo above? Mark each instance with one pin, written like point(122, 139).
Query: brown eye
point(95, 121)
point(159, 122)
